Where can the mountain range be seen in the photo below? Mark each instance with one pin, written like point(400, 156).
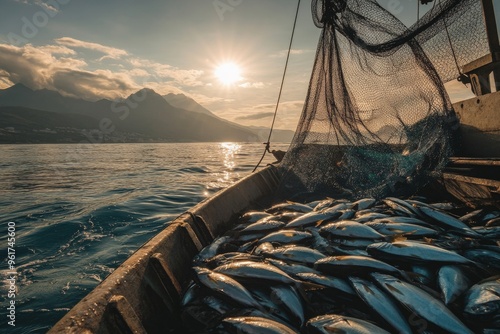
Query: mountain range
point(45, 116)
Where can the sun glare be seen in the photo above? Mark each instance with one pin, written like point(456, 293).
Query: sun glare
point(228, 73)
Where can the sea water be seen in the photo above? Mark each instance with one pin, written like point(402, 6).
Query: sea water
point(79, 210)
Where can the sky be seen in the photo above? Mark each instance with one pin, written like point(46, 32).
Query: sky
point(96, 49)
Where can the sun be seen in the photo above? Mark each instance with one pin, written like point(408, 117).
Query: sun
point(228, 73)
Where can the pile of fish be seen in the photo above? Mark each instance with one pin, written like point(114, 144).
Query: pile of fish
point(339, 266)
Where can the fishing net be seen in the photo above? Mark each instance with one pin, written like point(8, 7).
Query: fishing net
point(377, 119)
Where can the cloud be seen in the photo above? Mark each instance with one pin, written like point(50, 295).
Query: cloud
point(283, 53)
point(110, 52)
point(255, 116)
point(93, 85)
point(4, 81)
point(182, 77)
point(56, 49)
point(25, 64)
point(39, 3)
point(38, 67)
point(252, 85)
point(59, 67)
point(286, 106)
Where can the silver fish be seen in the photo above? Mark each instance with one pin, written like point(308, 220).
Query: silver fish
point(286, 237)
point(424, 274)
point(348, 265)
point(487, 257)
point(401, 206)
point(452, 282)
point(275, 310)
point(263, 227)
point(483, 299)
point(333, 323)
point(211, 250)
point(488, 232)
point(294, 253)
point(288, 297)
point(288, 216)
point(357, 244)
point(314, 204)
point(289, 206)
point(473, 216)
point(406, 220)
point(448, 222)
point(334, 283)
point(254, 216)
point(381, 303)
point(410, 230)
point(364, 203)
point(366, 217)
point(216, 304)
point(191, 294)
point(319, 243)
point(349, 251)
point(421, 303)
point(350, 229)
point(224, 258)
point(312, 218)
point(291, 268)
point(251, 270)
point(255, 325)
point(338, 207)
point(495, 222)
point(324, 204)
point(414, 251)
point(347, 214)
point(226, 286)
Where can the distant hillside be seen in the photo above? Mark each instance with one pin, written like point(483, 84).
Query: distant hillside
point(24, 125)
point(184, 102)
point(143, 116)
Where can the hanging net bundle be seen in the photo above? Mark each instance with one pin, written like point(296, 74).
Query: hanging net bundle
point(377, 120)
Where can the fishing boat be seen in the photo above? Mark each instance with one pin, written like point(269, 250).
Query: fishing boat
point(143, 294)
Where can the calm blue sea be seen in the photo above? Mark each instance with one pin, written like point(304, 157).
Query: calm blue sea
point(81, 210)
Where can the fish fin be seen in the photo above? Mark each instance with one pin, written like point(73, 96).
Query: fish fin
point(396, 237)
point(410, 277)
point(331, 329)
point(318, 223)
point(429, 241)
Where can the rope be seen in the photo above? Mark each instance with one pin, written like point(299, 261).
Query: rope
point(461, 76)
point(268, 143)
point(418, 10)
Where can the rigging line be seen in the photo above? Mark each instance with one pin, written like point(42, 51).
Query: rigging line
point(418, 10)
point(461, 75)
point(281, 89)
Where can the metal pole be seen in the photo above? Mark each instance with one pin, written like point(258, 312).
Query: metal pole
point(491, 25)
point(492, 34)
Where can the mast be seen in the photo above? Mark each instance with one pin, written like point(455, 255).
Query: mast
point(479, 70)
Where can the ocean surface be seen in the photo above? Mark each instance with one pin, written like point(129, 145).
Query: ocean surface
point(79, 210)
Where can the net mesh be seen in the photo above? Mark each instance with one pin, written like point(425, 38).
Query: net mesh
point(377, 119)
